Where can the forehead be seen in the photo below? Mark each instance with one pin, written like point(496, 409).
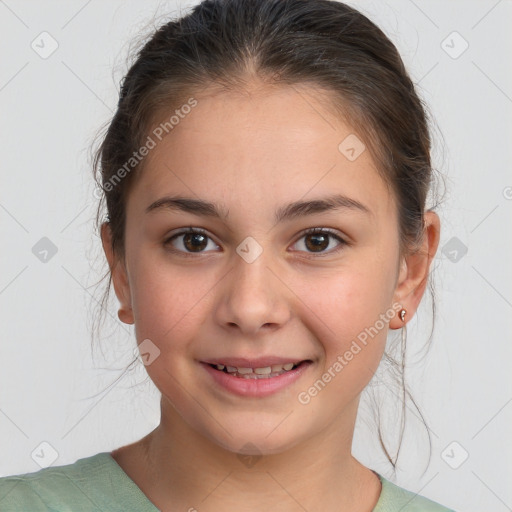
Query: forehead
point(258, 146)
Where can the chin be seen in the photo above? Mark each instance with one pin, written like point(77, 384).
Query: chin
point(256, 441)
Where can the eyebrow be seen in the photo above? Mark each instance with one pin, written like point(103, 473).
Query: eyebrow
point(288, 212)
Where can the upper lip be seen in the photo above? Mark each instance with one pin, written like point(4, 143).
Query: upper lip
point(260, 362)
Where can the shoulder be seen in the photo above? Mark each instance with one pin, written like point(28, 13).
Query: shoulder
point(394, 498)
point(55, 488)
point(17, 496)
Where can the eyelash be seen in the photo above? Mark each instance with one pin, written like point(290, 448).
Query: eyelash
point(309, 231)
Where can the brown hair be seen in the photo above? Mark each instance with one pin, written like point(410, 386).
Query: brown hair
point(323, 43)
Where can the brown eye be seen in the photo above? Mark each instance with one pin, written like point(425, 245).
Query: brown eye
point(190, 241)
point(194, 241)
point(318, 240)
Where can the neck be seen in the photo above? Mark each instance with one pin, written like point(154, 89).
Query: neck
point(176, 467)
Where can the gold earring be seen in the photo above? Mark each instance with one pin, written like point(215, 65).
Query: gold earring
point(402, 315)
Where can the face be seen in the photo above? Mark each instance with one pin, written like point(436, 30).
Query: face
point(250, 289)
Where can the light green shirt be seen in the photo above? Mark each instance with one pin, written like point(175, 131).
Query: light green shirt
point(99, 484)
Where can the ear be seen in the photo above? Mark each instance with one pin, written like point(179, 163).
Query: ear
point(119, 276)
point(414, 270)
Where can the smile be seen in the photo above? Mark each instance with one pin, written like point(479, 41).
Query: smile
point(266, 372)
point(254, 380)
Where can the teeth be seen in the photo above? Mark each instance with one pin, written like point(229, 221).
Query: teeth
point(255, 373)
point(263, 371)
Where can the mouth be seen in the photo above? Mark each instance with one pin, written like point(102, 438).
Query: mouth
point(262, 372)
point(255, 378)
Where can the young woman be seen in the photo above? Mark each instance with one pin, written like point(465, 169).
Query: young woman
point(265, 178)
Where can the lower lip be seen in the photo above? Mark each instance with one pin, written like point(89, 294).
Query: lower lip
point(256, 387)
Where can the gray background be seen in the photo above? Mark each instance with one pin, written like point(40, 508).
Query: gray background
point(54, 390)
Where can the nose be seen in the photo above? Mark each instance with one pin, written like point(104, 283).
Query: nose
point(253, 297)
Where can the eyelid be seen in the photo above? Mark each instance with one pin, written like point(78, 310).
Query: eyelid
point(314, 230)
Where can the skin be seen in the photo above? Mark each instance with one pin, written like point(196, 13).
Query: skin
point(252, 153)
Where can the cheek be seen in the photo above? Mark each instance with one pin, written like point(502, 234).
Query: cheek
point(353, 301)
point(352, 311)
point(168, 301)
